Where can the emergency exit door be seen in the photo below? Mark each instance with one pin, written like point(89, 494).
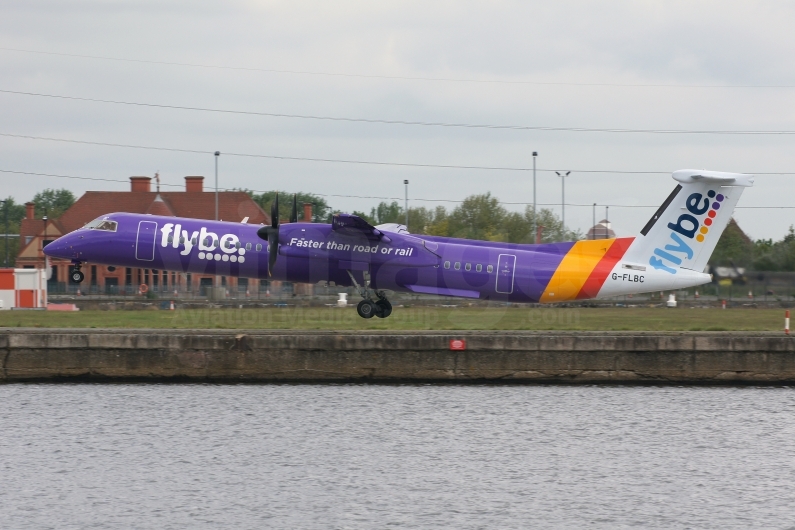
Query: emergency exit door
point(145, 243)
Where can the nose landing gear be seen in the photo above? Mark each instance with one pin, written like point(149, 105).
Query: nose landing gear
point(368, 308)
point(77, 276)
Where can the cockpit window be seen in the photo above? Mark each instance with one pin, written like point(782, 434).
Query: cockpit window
point(108, 226)
point(102, 224)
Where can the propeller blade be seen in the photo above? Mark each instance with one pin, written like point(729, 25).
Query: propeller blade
point(275, 212)
point(294, 212)
point(273, 250)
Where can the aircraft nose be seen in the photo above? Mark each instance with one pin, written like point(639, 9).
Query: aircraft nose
point(60, 248)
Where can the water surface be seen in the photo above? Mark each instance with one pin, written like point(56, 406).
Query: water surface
point(358, 456)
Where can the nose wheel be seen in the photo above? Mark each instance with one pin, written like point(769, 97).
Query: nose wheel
point(77, 276)
point(369, 308)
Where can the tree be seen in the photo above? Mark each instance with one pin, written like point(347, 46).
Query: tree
point(53, 203)
point(388, 213)
point(734, 248)
point(16, 212)
point(321, 211)
point(478, 217)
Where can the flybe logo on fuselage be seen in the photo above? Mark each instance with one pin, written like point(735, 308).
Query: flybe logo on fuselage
point(685, 229)
point(211, 247)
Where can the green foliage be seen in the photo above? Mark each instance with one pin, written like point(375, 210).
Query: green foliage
point(15, 212)
point(321, 211)
point(53, 203)
point(775, 256)
point(477, 217)
point(734, 248)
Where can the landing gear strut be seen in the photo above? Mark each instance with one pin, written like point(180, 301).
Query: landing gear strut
point(77, 276)
point(374, 303)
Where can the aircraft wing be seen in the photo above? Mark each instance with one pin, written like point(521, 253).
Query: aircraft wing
point(353, 225)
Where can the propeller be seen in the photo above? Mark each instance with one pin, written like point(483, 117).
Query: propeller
point(294, 212)
point(271, 235)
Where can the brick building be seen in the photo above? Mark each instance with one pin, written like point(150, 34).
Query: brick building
point(194, 202)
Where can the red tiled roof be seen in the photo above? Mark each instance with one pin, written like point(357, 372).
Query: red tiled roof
point(34, 227)
point(160, 207)
point(232, 206)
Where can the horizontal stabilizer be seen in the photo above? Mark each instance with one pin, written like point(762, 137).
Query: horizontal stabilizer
point(690, 176)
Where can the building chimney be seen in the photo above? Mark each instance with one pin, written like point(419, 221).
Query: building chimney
point(30, 210)
point(307, 212)
point(140, 184)
point(194, 184)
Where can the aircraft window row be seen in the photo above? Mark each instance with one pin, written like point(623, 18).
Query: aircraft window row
point(468, 266)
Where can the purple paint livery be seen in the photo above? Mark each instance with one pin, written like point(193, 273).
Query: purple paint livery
point(386, 258)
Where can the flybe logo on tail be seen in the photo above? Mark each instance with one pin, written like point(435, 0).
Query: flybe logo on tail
point(687, 228)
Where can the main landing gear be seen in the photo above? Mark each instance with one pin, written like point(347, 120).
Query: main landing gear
point(374, 303)
point(76, 275)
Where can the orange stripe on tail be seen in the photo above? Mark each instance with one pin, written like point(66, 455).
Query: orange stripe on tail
point(599, 274)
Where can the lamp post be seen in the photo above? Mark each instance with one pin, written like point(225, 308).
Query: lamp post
point(217, 154)
point(406, 183)
point(593, 230)
point(535, 219)
point(607, 221)
point(216, 281)
point(5, 210)
point(563, 198)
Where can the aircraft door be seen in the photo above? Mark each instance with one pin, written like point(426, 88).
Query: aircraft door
point(145, 243)
point(506, 265)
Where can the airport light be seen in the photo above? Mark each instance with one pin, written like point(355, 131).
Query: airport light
point(535, 219)
point(563, 198)
point(406, 183)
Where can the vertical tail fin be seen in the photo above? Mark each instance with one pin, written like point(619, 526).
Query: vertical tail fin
point(684, 231)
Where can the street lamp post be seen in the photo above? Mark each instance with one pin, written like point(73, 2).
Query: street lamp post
point(607, 221)
point(217, 154)
point(5, 210)
point(406, 183)
point(593, 230)
point(216, 281)
point(563, 198)
point(535, 217)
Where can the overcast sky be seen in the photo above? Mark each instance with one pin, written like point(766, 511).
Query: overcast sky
point(549, 64)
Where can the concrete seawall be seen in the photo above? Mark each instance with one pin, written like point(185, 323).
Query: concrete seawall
point(417, 356)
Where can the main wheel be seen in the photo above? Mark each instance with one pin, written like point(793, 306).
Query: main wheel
point(77, 276)
point(366, 309)
point(384, 308)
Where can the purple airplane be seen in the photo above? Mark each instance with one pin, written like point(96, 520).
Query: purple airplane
point(670, 252)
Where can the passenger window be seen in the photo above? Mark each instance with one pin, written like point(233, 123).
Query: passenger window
point(259, 247)
point(248, 246)
point(237, 244)
point(170, 239)
point(194, 241)
point(182, 240)
point(479, 267)
point(457, 266)
point(468, 267)
point(490, 268)
point(446, 264)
